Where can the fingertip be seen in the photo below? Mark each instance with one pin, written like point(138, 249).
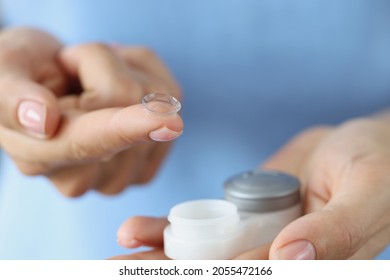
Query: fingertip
point(135, 124)
point(295, 241)
point(164, 134)
point(138, 231)
point(296, 250)
point(319, 235)
point(125, 234)
point(32, 117)
point(28, 107)
point(169, 128)
point(129, 243)
point(38, 118)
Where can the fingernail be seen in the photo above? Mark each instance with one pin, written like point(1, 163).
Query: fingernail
point(134, 243)
point(297, 250)
point(164, 134)
point(32, 115)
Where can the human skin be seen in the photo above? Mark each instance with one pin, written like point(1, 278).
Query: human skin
point(343, 169)
point(73, 113)
point(345, 178)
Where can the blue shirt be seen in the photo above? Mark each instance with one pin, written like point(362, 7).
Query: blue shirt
point(253, 72)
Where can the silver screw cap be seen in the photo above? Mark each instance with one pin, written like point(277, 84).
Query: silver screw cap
point(262, 190)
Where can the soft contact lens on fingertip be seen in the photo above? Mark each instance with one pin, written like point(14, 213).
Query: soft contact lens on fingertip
point(161, 104)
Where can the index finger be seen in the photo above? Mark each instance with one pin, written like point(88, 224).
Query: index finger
point(90, 136)
point(137, 231)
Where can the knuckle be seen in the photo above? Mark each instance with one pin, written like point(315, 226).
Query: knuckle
point(71, 191)
point(30, 169)
point(76, 180)
point(349, 236)
point(77, 152)
point(94, 48)
point(146, 177)
point(128, 90)
point(70, 186)
point(144, 52)
point(314, 132)
point(109, 190)
point(9, 55)
point(358, 123)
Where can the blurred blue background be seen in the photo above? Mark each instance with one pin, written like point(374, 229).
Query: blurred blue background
point(254, 73)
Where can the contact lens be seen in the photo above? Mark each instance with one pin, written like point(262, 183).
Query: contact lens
point(161, 104)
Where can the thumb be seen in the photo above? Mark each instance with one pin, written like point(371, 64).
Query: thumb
point(335, 232)
point(28, 107)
